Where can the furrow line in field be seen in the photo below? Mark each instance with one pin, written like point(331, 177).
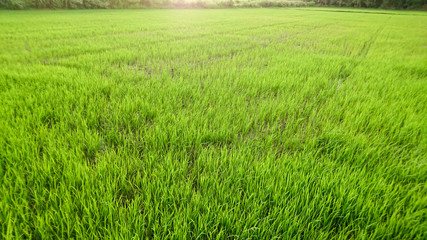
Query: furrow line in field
point(358, 58)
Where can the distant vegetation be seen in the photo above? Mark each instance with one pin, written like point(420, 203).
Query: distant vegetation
point(393, 4)
point(95, 4)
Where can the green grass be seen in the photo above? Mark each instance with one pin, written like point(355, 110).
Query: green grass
point(225, 124)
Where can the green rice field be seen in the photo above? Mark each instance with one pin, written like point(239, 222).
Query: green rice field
point(291, 123)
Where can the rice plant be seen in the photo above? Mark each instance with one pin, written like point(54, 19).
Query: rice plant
point(213, 124)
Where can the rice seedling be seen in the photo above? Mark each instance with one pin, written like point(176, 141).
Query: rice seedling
point(226, 124)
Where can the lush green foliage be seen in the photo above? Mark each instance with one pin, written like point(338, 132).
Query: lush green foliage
point(90, 4)
point(254, 123)
point(396, 4)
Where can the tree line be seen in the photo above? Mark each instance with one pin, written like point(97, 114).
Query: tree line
point(94, 4)
point(387, 4)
